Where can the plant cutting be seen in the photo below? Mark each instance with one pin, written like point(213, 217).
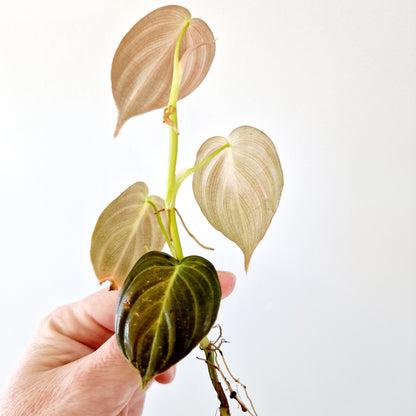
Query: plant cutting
point(168, 301)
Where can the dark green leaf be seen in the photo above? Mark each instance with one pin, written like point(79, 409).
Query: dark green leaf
point(165, 308)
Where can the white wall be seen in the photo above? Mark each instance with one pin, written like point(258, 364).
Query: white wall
point(324, 323)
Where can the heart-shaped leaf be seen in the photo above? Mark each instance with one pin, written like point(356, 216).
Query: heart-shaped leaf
point(239, 190)
point(126, 229)
point(165, 308)
point(142, 67)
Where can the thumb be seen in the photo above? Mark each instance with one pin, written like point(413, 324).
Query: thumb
point(108, 363)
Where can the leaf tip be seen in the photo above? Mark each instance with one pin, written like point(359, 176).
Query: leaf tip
point(246, 262)
point(145, 381)
point(248, 253)
point(119, 125)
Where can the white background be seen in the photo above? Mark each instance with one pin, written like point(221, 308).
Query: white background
point(324, 322)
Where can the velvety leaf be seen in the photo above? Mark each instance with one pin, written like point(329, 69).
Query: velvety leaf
point(126, 229)
point(142, 67)
point(165, 308)
point(239, 190)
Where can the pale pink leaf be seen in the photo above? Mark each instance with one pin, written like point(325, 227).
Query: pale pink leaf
point(142, 68)
point(239, 190)
point(125, 230)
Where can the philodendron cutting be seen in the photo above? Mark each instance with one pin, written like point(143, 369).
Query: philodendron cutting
point(168, 303)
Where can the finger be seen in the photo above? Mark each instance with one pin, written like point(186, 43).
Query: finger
point(167, 376)
point(227, 282)
point(100, 306)
point(89, 321)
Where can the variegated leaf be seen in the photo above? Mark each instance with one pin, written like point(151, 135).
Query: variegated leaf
point(142, 67)
point(126, 229)
point(239, 190)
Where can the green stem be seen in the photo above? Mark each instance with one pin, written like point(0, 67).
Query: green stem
point(161, 225)
point(176, 242)
point(173, 184)
point(173, 148)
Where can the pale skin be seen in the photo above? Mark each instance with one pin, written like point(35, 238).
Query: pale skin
point(73, 365)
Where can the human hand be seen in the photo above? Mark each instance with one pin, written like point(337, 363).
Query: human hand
point(73, 366)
